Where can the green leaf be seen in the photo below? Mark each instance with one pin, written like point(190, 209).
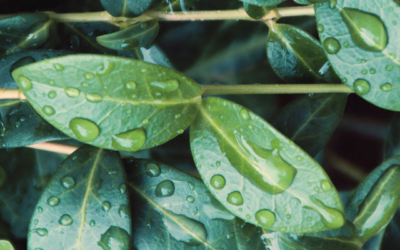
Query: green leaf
point(128, 8)
point(310, 121)
point(263, 2)
point(360, 40)
point(260, 175)
point(390, 238)
point(177, 5)
point(101, 94)
point(296, 56)
point(84, 204)
point(24, 31)
point(5, 245)
point(376, 199)
point(391, 146)
point(138, 35)
point(174, 210)
point(248, 236)
point(25, 173)
point(310, 1)
point(255, 11)
point(155, 55)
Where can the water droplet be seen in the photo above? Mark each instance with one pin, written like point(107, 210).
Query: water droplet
point(93, 97)
point(52, 94)
point(68, 182)
point(332, 4)
point(326, 186)
point(366, 29)
point(106, 206)
point(244, 113)
point(168, 86)
point(92, 223)
point(153, 170)
point(39, 210)
point(332, 218)
point(65, 220)
point(132, 140)
point(332, 46)
point(248, 216)
point(122, 188)
point(283, 229)
point(53, 201)
point(361, 87)
point(218, 181)
point(24, 83)
point(235, 198)
point(115, 238)
point(58, 67)
point(386, 87)
point(265, 218)
point(72, 92)
point(190, 199)
point(178, 227)
point(41, 232)
point(85, 84)
point(299, 158)
point(320, 28)
point(372, 71)
point(36, 221)
point(84, 129)
point(191, 185)
point(389, 67)
point(88, 76)
point(309, 218)
point(130, 85)
point(124, 211)
point(165, 189)
point(218, 163)
point(48, 110)
point(316, 189)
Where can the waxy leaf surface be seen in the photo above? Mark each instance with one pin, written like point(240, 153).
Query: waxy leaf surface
point(310, 121)
point(260, 175)
point(127, 8)
point(360, 38)
point(174, 210)
point(296, 56)
point(84, 204)
point(111, 102)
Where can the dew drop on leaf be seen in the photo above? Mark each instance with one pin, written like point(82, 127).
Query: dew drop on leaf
point(153, 170)
point(72, 92)
point(132, 140)
point(244, 114)
point(84, 129)
point(130, 85)
point(65, 220)
point(190, 199)
point(123, 211)
point(386, 87)
point(68, 182)
point(52, 94)
point(191, 185)
point(40, 210)
point(93, 97)
point(48, 110)
point(88, 76)
point(92, 223)
point(168, 86)
point(361, 87)
point(235, 198)
point(122, 188)
point(106, 206)
point(218, 181)
point(24, 83)
point(265, 217)
point(115, 238)
point(58, 67)
point(332, 218)
point(53, 201)
point(41, 232)
point(332, 46)
point(325, 186)
point(165, 189)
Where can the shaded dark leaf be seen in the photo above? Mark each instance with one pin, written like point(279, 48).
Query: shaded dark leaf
point(128, 8)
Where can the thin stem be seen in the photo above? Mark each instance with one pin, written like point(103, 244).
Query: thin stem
point(54, 147)
point(274, 89)
point(11, 94)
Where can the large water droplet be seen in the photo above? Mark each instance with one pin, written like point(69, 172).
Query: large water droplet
point(115, 238)
point(68, 182)
point(72, 92)
point(165, 189)
point(186, 230)
point(168, 86)
point(361, 87)
point(58, 67)
point(326, 186)
point(386, 87)
point(244, 113)
point(84, 129)
point(24, 83)
point(235, 198)
point(106, 206)
point(48, 110)
point(265, 218)
point(332, 218)
point(93, 97)
point(366, 29)
point(218, 181)
point(124, 211)
point(332, 46)
point(53, 201)
point(132, 140)
point(41, 232)
point(130, 85)
point(65, 220)
point(153, 170)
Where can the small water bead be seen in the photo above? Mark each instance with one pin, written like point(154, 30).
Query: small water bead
point(48, 110)
point(299, 158)
point(332, 4)
point(36, 221)
point(145, 121)
point(58, 67)
point(265, 217)
point(165, 189)
point(218, 182)
point(309, 219)
point(332, 45)
point(41, 232)
point(389, 67)
point(168, 86)
point(288, 216)
point(68, 182)
point(316, 189)
point(130, 85)
point(320, 28)
point(177, 116)
point(40, 210)
point(65, 220)
point(72, 92)
point(92, 223)
point(235, 198)
point(326, 186)
point(106, 206)
point(85, 84)
point(372, 71)
point(153, 170)
point(24, 83)
point(88, 76)
point(386, 87)
point(283, 229)
point(93, 97)
point(84, 129)
point(218, 163)
point(52, 94)
point(132, 140)
point(361, 87)
point(124, 212)
point(53, 201)
point(115, 238)
point(346, 44)
point(364, 71)
point(128, 111)
point(144, 70)
point(190, 199)
point(248, 216)
point(52, 82)
point(191, 185)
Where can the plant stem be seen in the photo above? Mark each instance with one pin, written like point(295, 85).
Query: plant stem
point(273, 89)
point(11, 94)
point(54, 147)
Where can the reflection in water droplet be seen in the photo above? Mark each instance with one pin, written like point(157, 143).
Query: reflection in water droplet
point(186, 230)
point(132, 140)
point(265, 218)
point(331, 45)
point(332, 218)
point(165, 189)
point(52, 94)
point(332, 4)
point(72, 92)
point(153, 170)
point(88, 76)
point(191, 185)
point(41, 232)
point(361, 87)
point(190, 199)
point(24, 83)
point(366, 29)
point(48, 110)
point(386, 87)
point(389, 67)
point(53, 201)
point(40, 210)
point(235, 198)
point(325, 186)
point(320, 28)
point(65, 220)
point(168, 86)
point(244, 114)
point(92, 223)
point(124, 212)
point(130, 85)
point(106, 206)
point(115, 238)
point(68, 182)
point(218, 181)
point(58, 67)
point(122, 188)
point(218, 164)
point(84, 129)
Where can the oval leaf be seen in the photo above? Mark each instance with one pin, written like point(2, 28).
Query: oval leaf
point(138, 35)
point(5, 245)
point(255, 11)
point(84, 204)
point(360, 40)
point(174, 210)
point(296, 56)
point(95, 101)
point(259, 174)
point(127, 8)
point(310, 121)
